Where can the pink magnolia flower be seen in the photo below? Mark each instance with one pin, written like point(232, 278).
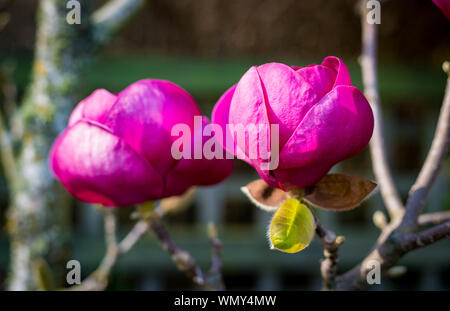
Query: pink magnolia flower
point(322, 118)
point(116, 150)
point(444, 5)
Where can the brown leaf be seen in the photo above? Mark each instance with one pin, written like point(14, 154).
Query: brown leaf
point(339, 192)
point(265, 196)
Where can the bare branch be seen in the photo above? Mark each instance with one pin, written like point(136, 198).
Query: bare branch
point(381, 170)
point(328, 266)
point(98, 280)
point(215, 279)
point(108, 19)
point(430, 169)
point(7, 154)
point(182, 259)
point(433, 218)
point(133, 236)
point(110, 227)
point(417, 240)
point(396, 238)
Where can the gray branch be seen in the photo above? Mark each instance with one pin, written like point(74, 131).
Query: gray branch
point(397, 237)
point(328, 266)
point(381, 170)
point(111, 17)
point(433, 218)
point(185, 262)
point(39, 213)
point(98, 280)
point(431, 167)
point(421, 239)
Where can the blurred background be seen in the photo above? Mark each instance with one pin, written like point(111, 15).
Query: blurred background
point(205, 46)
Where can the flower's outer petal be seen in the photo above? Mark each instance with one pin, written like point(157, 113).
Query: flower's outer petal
point(96, 166)
point(444, 5)
point(200, 172)
point(220, 116)
point(247, 113)
point(337, 128)
point(342, 75)
point(291, 93)
point(144, 115)
point(95, 107)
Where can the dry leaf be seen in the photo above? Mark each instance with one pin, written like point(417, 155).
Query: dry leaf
point(339, 192)
point(265, 196)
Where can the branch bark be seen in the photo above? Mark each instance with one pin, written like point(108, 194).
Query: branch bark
point(431, 167)
point(111, 17)
point(381, 170)
point(38, 217)
point(328, 266)
point(211, 280)
point(6, 153)
point(98, 280)
point(426, 237)
point(398, 237)
point(433, 218)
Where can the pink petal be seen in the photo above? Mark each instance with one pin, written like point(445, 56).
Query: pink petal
point(97, 167)
point(290, 94)
point(201, 172)
point(220, 116)
point(444, 5)
point(144, 115)
point(248, 107)
point(342, 75)
point(337, 128)
point(95, 107)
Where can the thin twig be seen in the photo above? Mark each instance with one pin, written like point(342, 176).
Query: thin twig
point(328, 266)
point(7, 154)
point(430, 169)
point(98, 280)
point(111, 17)
point(421, 239)
point(211, 280)
point(215, 280)
point(433, 218)
point(182, 259)
point(139, 229)
point(381, 169)
point(397, 237)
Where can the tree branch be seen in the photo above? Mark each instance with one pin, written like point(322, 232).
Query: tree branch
point(98, 280)
point(417, 240)
point(7, 154)
point(396, 238)
point(215, 274)
point(184, 261)
point(108, 19)
point(433, 218)
point(328, 266)
point(430, 169)
point(39, 205)
point(381, 170)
